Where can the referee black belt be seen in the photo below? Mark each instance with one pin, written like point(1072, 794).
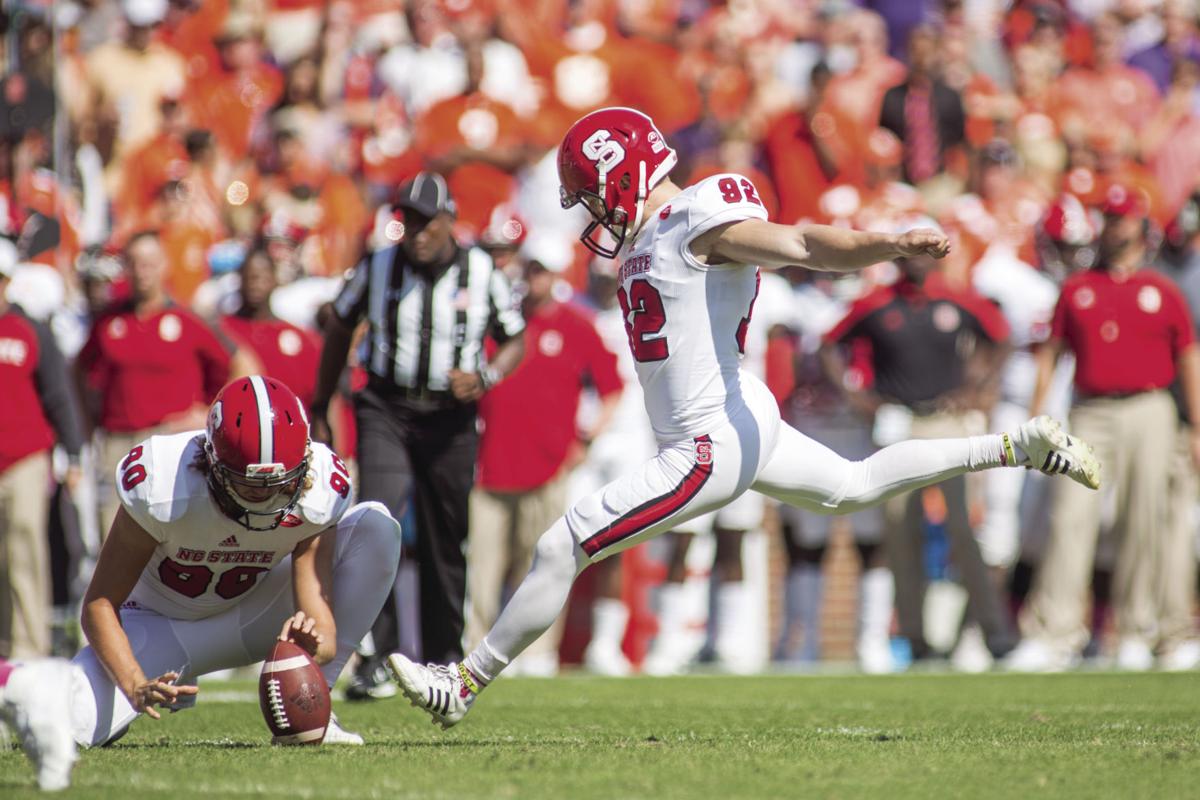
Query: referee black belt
point(441, 398)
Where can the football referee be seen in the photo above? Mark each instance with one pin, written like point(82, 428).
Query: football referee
point(429, 303)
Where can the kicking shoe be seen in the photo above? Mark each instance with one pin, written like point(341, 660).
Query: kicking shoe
point(603, 658)
point(370, 681)
point(35, 704)
point(1049, 449)
point(445, 692)
point(336, 734)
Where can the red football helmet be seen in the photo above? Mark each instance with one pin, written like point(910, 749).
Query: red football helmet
point(1066, 236)
point(257, 449)
point(609, 161)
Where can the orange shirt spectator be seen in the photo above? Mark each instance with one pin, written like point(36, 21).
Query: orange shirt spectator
point(471, 137)
point(858, 94)
point(1108, 93)
point(231, 101)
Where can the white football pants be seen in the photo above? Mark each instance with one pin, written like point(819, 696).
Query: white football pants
point(364, 568)
point(753, 449)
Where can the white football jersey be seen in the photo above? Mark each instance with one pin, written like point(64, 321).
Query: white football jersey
point(1026, 298)
point(206, 562)
point(772, 307)
point(687, 322)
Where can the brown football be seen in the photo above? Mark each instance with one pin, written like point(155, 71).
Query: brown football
point(293, 696)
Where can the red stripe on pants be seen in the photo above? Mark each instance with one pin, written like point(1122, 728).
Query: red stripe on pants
point(656, 510)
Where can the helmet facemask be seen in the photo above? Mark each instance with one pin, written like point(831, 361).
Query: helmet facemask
point(260, 498)
point(612, 220)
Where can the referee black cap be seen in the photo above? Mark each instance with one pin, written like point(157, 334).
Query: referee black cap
point(427, 194)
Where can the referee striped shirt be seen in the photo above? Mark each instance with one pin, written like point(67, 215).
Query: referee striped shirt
point(420, 328)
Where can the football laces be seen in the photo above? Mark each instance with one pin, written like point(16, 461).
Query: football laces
point(275, 701)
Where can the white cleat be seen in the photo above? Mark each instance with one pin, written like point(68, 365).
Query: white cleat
point(36, 705)
point(1035, 655)
point(875, 656)
point(1049, 449)
point(439, 690)
point(971, 654)
point(1134, 655)
point(336, 734)
point(602, 658)
point(671, 654)
point(1181, 658)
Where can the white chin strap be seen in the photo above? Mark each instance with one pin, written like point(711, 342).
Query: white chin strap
point(643, 191)
point(658, 176)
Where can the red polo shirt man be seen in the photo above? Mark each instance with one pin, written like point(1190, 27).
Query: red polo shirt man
point(285, 352)
point(37, 408)
point(148, 366)
point(530, 442)
point(1131, 334)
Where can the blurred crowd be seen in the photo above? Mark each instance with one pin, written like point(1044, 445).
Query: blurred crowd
point(236, 157)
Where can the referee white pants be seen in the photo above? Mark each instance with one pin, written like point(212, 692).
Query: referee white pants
point(364, 568)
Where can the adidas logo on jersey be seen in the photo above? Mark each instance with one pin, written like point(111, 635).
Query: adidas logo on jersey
point(230, 542)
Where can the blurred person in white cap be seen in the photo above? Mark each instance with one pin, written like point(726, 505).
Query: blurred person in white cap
point(530, 442)
point(130, 77)
point(37, 409)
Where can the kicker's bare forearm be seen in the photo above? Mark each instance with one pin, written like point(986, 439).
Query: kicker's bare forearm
point(843, 250)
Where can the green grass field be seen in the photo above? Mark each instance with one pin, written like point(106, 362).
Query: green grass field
point(1083, 735)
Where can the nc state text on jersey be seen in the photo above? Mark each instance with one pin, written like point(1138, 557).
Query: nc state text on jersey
point(635, 266)
point(187, 555)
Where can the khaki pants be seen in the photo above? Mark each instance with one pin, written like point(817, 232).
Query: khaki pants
point(112, 448)
point(1177, 584)
point(505, 528)
point(25, 558)
point(1135, 441)
point(905, 542)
